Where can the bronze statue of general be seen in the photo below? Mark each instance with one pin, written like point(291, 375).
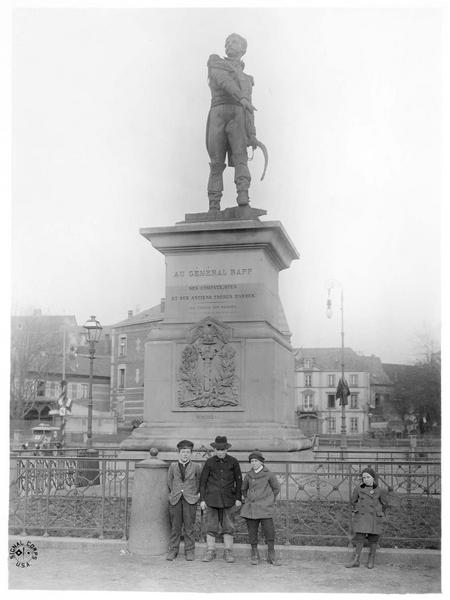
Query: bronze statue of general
point(230, 128)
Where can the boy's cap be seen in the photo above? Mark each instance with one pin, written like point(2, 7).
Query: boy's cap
point(185, 444)
point(256, 454)
point(220, 443)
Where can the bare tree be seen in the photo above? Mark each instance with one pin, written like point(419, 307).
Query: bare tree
point(418, 390)
point(35, 352)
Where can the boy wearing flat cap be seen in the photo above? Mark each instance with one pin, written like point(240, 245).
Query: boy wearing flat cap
point(183, 480)
point(220, 493)
point(259, 490)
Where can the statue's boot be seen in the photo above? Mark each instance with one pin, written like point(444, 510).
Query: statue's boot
point(241, 178)
point(215, 185)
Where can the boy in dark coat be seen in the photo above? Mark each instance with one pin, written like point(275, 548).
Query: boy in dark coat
point(220, 493)
point(369, 504)
point(183, 480)
point(259, 490)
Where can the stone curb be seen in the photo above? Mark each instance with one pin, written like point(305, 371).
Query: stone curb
point(387, 556)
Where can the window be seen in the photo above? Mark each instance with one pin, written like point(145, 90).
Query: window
point(121, 378)
point(123, 345)
point(377, 400)
point(354, 425)
point(40, 389)
point(331, 380)
point(307, 363)
point(331, 400)
point(331, 425)
point(353, 379)
point(72, 390)
point(308, 380)
point(308, 402)
point(52, 389)
point(84, 390)
point(353, 400)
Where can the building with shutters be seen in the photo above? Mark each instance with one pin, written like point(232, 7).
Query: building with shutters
point(128, 338)
point(317, 373)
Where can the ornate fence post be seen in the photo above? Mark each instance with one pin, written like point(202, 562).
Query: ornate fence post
point(149, 521)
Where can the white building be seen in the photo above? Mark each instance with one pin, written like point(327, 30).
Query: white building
point(317, 373)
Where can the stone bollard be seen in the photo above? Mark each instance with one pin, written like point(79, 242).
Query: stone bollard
point(149, 521)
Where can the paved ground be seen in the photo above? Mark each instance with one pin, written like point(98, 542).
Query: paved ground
point(100, 565)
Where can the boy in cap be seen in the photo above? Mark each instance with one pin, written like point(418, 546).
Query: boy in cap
point(260, 490)
point(220, 493)
point(183, 479)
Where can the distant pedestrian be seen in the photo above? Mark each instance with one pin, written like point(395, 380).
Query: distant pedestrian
point(183, 480)
point(369, 503)
point(220, 496)
point(260, 490)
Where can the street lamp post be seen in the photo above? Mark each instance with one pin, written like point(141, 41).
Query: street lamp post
point(93, 332)
point(342, 389)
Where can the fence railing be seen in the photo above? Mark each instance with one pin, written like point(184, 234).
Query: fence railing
point(361, 441)
point(79, 496)
point(408, 454)
point(70, 495)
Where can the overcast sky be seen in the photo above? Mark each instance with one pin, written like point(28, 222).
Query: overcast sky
point(109, 113)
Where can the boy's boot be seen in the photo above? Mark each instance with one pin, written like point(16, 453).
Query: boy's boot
point(228, 552)
point(210, 548)
point(271, 558)
point(254, 557)
point(357, 555)
point(371, 559)
point(189, 554)
point(172, 554)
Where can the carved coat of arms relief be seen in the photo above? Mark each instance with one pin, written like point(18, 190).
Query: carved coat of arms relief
point(207, 374)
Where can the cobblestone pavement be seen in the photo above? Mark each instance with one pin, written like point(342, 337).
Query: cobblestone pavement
point(103, 566)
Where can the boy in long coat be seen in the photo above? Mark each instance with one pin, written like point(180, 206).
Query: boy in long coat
point(260, 490)
point(220, 494)
point(369, 503)
point(183, 480)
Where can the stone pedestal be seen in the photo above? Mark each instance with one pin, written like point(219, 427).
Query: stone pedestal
point(221, 362)
point(149, 521)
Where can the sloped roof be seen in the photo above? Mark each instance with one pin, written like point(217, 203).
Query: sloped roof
point(80, 364)
point(155, 313)
point(378, 375)
point(47, 322)
point(395, 370)
point(329, 359)
point(48, 331)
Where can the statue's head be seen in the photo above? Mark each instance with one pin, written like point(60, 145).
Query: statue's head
point(235, 45)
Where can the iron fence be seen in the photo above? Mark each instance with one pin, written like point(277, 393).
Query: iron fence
point(66, 495)
point(314, 508)
point(70, 495)
point(408, 454)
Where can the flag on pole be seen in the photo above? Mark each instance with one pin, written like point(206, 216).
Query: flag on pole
point(343, 391)
point(64, 402)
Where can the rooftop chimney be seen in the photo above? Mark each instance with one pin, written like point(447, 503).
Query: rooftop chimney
point(130, 314)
